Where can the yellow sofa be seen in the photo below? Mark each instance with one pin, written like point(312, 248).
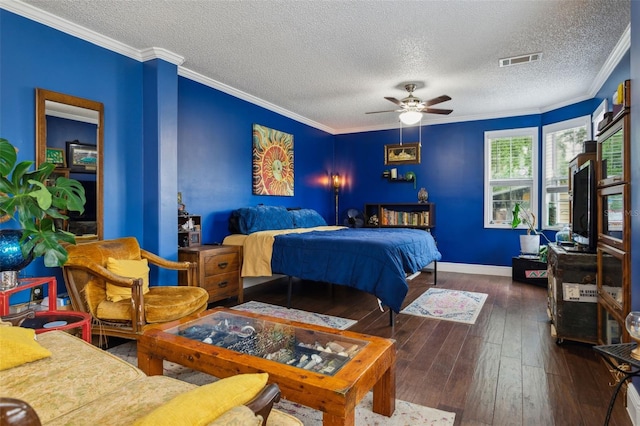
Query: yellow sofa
point(80, 384)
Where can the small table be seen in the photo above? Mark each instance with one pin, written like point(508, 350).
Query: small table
point(225, 342)
point(622, 353)
point(60, 320)
point(26, 283)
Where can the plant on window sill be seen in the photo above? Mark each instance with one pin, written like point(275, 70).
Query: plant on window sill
point(523, 216)
point(527, 218)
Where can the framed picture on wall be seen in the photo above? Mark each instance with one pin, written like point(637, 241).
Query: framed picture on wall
point(82, 158)
point(272, 165)
point(57, 157)
point(408, 153)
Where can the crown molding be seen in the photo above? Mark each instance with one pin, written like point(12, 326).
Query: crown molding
point(70, 28)
point(160, 53)
point(623, 45)
point(209, 82)
point(45, 18)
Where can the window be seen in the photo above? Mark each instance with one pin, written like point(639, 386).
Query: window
point(562, 142)
point(598, 116)
point(511, 170)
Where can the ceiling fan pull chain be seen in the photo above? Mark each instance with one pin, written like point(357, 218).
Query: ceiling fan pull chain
point(400, 132)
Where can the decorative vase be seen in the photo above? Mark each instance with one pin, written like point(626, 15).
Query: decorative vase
point(530, 245)
point(11, 258)
point(423, 195)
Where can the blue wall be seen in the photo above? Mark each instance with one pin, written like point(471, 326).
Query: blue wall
point(214, 146)
point(214, 158)
point(34, 55)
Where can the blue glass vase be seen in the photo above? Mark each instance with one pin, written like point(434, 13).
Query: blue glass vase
point(11, 258)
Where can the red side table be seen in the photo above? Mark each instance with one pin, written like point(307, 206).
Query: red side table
point(26, 283)
point(60, 320)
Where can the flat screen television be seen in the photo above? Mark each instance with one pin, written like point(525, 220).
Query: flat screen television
point(85, 223)
point(583, 208)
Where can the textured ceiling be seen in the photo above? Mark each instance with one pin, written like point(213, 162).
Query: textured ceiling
point(326, 63)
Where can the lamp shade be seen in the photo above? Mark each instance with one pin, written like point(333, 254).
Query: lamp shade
point(410, 117)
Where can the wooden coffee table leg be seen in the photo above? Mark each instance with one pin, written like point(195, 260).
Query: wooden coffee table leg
point(384, 393)
point(332, 420)
point(152, 366)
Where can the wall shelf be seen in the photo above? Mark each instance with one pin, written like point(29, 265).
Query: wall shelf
point(401, 180)
point(401, 215)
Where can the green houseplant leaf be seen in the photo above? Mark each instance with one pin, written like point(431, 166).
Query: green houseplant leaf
point(25, 198)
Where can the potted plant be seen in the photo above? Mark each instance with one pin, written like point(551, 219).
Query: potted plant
point(529, 243)
point(35, 205)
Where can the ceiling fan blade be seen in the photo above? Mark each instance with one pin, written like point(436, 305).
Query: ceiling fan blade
point(437, 100)
point(376, 112)
point(394, 100)
point(437, 111)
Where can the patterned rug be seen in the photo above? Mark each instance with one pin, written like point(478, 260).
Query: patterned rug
point(405, 414)
point(296, 315)
point(448, 305)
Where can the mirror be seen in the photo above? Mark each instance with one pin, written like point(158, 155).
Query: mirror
point(69, 133)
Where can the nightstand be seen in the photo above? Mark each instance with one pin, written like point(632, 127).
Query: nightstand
point(218, 270)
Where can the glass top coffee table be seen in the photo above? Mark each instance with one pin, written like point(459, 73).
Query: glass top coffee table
point(323, 368)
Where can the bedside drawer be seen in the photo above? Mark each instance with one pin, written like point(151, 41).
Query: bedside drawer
point(221, 286)
point(221, 263)
point(218, 270)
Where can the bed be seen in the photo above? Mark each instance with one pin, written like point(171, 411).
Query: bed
point(298, 243)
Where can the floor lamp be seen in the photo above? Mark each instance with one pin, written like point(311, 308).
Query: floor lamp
point(335, 179)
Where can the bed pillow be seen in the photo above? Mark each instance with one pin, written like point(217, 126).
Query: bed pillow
point(307, 218)
point(248, 220)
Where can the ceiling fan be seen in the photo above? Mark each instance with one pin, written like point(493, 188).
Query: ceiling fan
point(411, 108)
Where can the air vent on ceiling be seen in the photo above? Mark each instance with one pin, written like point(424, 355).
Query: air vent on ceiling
point(523, 59)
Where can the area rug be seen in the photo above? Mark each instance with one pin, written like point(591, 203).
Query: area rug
point(296, 315)
point(448, 305)
point(405, 414)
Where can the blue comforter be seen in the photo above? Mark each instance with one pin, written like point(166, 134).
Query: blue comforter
point(373, 260)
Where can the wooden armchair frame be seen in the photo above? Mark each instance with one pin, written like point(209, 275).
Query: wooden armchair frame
point(76, 282)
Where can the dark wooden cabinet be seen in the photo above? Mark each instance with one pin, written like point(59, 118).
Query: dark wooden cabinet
point(400, 215)
point(573, 295)
point(218, 270)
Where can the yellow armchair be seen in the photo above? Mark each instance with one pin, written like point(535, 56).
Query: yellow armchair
point(88, 272)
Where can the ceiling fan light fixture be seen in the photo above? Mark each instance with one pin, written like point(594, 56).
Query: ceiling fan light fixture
point(410, 117)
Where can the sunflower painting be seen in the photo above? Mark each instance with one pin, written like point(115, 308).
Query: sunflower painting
point(272, 162)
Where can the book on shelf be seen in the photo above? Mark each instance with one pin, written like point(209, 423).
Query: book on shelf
point(401, 218)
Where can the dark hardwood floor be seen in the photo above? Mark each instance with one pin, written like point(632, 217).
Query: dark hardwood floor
point(505, 369)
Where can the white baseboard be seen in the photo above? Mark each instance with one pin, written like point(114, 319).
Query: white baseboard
point(468, 268)
point(633, 404)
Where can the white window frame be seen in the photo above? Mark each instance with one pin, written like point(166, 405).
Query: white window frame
point(597, 116)
point(553, 128)
point(532, 132)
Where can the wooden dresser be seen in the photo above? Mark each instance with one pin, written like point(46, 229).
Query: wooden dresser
point(218, 270)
